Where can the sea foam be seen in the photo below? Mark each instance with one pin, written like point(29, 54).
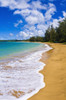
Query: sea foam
point(22, 75)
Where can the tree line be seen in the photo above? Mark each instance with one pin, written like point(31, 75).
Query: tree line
point(52, 34)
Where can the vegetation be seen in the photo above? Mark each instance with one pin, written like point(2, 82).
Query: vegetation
point(53, 35)
point(13, 40)
point(38, 39)
point(58, 34)
point(9, 40)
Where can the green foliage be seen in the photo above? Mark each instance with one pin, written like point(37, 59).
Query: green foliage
point(39, 39)
point(36, 39)
point(58, 34)
point(51, 34)
point(61, 31)
point(32, 39)
point(47, 35)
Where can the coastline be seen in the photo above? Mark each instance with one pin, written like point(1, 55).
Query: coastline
point(42, 83)
point(54, 74)
point(34, 65)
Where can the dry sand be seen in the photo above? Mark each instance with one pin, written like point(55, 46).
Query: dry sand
point(54, 74)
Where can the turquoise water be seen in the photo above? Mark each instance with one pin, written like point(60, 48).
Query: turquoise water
point(20, 70)
point(9, 48)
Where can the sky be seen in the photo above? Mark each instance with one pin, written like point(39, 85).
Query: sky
point(22, 19)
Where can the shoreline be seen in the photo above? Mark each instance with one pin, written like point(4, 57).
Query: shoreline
point(49, 58)
point(53, 74)
point(34, 59)
point(42, 85)
point(19, 53)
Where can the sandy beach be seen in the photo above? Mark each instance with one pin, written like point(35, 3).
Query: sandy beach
point(54, 74)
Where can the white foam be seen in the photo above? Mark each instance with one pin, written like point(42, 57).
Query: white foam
point(23, 76)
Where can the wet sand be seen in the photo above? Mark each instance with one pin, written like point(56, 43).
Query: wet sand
point(54, 74)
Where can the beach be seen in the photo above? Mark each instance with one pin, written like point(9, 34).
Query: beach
point(54, 74)
point(19, 73)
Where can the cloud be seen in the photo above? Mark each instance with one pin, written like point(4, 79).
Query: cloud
point(38, 5)
point(40, 33)
point(11, 34)
point(36, 20)
point(14, 4)
point(37, 15)
point(23, 35)
point(32, 19)
point(50, 12)
point(24, 12)
point(34, 16)
point(42, 27)
point(64, 14)
point(31, 16)
point(18, 23)
point(55, 22)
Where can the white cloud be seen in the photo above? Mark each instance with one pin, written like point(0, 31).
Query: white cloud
point(19, 22)
point(11, 34)
point(38, 5)
point(42, 27)
point(31, 16)
point(23, 35)
point(64, 14)
point(37, 21)
point(39, 15)
point(50, 12)
point(14, 4)
point(32, 28)
point(24, 12)
point(40, 33)
point(31, 19)
point(55, 22)
point(35, 17)
point(31, 34)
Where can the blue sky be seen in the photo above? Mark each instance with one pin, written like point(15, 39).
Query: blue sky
point(22, 19)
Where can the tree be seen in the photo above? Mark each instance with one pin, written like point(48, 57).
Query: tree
point(47, 35)
point(32, 39)
point(58, 34)
point(39, 39)
point(61, 31)
point(52, 34)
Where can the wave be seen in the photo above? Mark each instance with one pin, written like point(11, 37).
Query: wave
point(20, 79)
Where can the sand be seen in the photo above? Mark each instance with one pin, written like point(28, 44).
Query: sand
point(54, 74)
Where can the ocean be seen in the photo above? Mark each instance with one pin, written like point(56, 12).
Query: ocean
point(19, 69)
point(11, 48)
